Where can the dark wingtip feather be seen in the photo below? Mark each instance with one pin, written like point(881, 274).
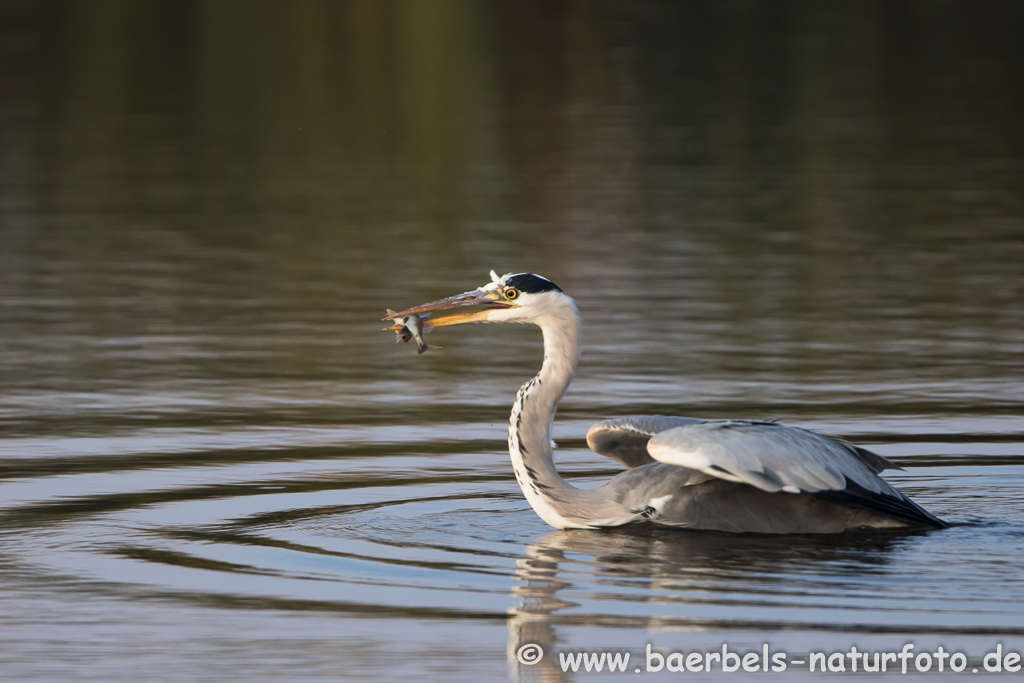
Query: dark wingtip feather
point(873, 460)
point(901, 509)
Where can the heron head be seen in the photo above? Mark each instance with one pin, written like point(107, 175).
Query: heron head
point(511, 298)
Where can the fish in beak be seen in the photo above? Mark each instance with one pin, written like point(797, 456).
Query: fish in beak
point(481, 300)
point(411, 326)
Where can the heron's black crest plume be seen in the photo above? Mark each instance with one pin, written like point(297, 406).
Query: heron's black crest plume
point(529, 283)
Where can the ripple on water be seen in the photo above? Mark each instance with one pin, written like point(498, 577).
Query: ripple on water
point(449, 536)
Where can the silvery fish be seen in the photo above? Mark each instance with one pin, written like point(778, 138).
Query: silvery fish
point(412, 327)
point(417, 327)
point(401, 331)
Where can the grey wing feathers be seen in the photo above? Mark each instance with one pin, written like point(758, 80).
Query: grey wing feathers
point(769, 456)
point(777, 458)
point(625, 438)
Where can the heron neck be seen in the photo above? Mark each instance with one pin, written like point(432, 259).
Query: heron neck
point(533, 414)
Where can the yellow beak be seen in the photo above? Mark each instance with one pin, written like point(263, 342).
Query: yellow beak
point(486, 300)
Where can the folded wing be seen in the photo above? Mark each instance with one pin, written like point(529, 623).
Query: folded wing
point(781, 459)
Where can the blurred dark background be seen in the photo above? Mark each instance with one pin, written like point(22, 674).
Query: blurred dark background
point(174, 171)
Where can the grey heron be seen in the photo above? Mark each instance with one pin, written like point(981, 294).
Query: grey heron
point(724, 475)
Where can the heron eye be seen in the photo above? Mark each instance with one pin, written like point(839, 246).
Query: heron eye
point(510, 293)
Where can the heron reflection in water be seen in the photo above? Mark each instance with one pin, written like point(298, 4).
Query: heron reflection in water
point(650, 579)
point(722, 475)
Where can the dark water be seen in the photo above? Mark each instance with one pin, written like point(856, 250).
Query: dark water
point(214, 465)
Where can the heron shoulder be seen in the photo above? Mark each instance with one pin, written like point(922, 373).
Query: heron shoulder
point(625, 438)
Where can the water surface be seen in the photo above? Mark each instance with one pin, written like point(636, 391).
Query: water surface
point(214, 465)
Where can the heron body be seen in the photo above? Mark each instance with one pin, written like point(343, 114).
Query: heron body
point(724, 475)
